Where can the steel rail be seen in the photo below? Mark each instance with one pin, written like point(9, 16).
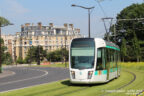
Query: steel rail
point(123, 86)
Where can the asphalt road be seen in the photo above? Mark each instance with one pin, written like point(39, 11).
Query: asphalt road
point(30, 76)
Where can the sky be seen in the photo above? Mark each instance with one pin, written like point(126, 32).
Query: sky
point(59, 12)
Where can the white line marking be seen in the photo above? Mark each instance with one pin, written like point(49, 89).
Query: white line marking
point(27, 78)
point(31, 86)
point(12, 73)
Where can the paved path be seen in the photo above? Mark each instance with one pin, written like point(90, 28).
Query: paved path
point(6, 73)
point(30, 76)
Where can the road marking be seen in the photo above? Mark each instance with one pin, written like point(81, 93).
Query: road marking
point(31, 86)
point(12, 73)
point(46, 72)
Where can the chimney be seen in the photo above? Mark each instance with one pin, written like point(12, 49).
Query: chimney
point(71, 25)
point(40, 25)
point(51, 24)
point(22, 28)
point(27, 24)
point(78, 30)
point(65, 25)
point(32, 26)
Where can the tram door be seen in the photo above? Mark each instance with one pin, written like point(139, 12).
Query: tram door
point(101, 59)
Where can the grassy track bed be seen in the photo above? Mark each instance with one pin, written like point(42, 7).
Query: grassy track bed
point(134, 88)
point(64, 88)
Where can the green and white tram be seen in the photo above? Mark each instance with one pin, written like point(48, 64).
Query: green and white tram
point(93, 60)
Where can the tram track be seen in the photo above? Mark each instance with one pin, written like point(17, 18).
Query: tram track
point(125, 85)
point(99, 94)
point(139, 94)
point(73, 91)
point(107, 93)
point(65, 88)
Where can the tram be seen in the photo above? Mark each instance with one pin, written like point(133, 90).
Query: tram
point(93, 60)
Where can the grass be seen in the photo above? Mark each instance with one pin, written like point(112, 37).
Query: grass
point(64, 88)
point(133, 65)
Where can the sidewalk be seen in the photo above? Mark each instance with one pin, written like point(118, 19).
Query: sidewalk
point(18, 65)
point(6, 73)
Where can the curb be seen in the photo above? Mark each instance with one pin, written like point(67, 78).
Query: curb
point(6, 74)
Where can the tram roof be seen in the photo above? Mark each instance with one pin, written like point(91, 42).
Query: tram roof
point(108, 43)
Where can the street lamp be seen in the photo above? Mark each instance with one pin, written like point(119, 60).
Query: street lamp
point(88, 8)
point(0, 44)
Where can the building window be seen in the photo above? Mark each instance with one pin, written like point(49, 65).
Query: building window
point(25, 43)
point(46, 42)
point(64, 32)
point(58, 31)
point(50, 47)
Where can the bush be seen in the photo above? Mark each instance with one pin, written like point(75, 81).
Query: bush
point(133, 65)
point(7, 59)
point(57, 55)
point(20, 61)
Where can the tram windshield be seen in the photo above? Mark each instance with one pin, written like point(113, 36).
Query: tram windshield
point(82, 53)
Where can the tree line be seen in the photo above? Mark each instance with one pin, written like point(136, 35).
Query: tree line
point(130, 32)
point(129, 36)
point(38, 54)
point(6, 58)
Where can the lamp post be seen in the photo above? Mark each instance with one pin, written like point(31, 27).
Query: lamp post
point(0, 50)
point(88, 8)
point(0, 44)
point(30, 44)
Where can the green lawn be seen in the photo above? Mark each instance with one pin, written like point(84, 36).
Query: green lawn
point(133, 65)
point(64, 88)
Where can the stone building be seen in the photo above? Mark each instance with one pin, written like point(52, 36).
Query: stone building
point(50, 37)
point(9, 43)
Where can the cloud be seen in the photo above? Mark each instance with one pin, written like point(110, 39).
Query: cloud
point(13, 7)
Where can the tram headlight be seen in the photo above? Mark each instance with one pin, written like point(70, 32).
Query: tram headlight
point(73, 74)
point(90, 74)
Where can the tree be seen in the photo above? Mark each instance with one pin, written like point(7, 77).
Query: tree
point(123, 49)
point(8, 58)
point(57, 55)
point(126, 25)
point(30, 55)
point(36, 54)
point(3, 22)
point(3, 48)
point(20, 60)
point(136, 47)
point(5, 56)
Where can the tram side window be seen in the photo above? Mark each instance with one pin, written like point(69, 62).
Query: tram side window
point(108, 57)
point(100, 59)
point(112, 58)
point(112, 62)
point(104, 58)
point(118, 63)
point(116, 58)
